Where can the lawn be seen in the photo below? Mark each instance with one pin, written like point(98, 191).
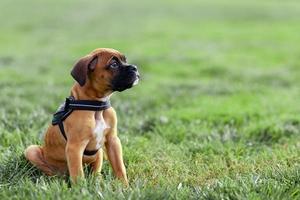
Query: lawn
point(216, 114)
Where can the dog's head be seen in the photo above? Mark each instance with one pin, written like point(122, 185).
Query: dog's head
point(106, 70)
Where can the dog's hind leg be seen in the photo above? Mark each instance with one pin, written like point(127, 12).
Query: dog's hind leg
point(34, 154)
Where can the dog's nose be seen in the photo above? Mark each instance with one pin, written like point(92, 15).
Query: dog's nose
point(132, 67)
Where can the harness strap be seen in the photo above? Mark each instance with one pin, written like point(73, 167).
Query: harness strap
point(86, 104)
point(62, 129)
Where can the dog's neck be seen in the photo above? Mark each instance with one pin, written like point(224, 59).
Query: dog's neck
point(87, 93)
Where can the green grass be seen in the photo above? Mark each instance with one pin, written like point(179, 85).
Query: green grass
point(215, 116)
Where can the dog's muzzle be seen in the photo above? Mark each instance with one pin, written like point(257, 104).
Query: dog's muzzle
point(127, 77)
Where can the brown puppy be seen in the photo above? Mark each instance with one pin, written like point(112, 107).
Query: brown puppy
point(98, 75)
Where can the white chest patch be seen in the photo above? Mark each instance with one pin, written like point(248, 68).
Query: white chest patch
point(99, 132)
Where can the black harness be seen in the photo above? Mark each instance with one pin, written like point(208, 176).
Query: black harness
point(69, 106)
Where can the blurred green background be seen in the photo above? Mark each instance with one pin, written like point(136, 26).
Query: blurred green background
point(216, 113)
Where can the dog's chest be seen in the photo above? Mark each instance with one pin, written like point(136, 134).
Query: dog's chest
point(99, 132)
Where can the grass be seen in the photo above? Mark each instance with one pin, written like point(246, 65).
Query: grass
point(215, 116)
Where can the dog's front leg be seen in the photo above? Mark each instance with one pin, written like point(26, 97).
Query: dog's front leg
point(74, 153)
point(115, 155)
point(97, 164)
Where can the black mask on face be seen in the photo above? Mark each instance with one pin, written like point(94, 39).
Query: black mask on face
point(125, 78)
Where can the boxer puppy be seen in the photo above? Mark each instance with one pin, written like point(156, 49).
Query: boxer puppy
point(98, 75)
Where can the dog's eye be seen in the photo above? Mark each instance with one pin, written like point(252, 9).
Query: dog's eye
point(114, 65)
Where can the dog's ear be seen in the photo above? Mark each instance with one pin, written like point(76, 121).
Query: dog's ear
point(82, 67)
